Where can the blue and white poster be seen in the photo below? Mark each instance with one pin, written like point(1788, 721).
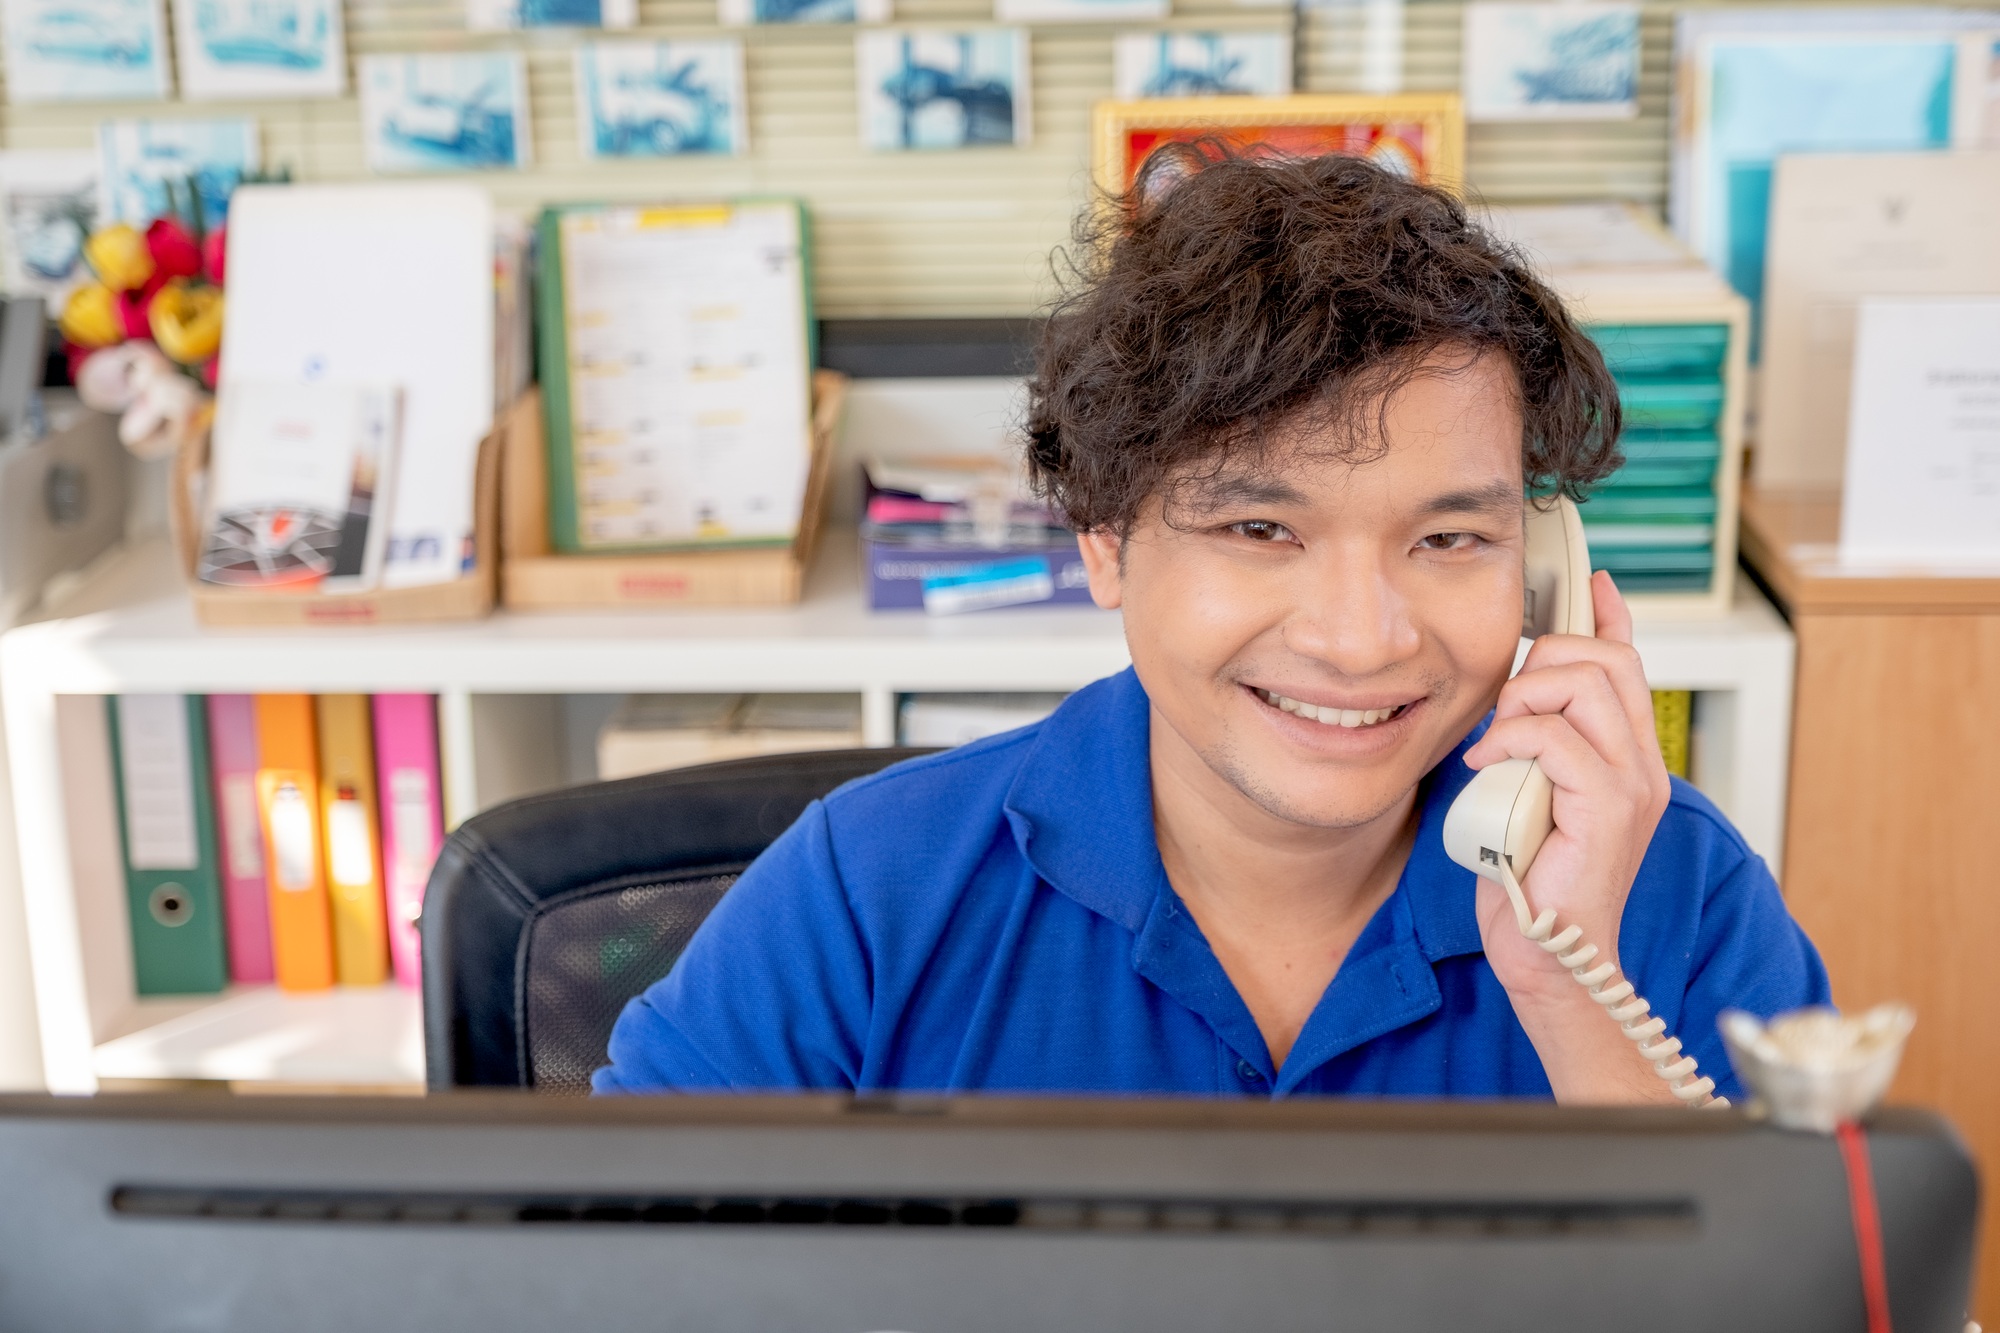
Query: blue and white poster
point(1566, 61)
point(48, 204)
point(458, 111)
point(660, 99)
point(84, 50)
point(509, 15)
point(942, 89)
point(1762, 83)
point(259, 48)
point(147, 167)
point(1202, 64)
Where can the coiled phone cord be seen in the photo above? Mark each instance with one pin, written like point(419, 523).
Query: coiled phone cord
point(1620, 998)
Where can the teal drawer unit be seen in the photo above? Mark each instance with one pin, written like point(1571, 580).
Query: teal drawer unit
point(1654, 522)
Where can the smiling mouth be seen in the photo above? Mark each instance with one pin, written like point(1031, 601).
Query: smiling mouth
point(1351, 718)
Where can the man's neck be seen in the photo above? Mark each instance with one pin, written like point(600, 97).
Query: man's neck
point(1280, 902)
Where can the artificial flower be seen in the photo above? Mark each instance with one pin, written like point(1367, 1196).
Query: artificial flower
point(169, 411)
point(119, 257)
point(214, 250)
point(110, 379)
point(134, 307)
point(90, 316)
point(175, 253)
point(187, 321)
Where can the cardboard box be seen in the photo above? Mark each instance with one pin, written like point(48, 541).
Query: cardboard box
point(469, 597)
point(534, 577)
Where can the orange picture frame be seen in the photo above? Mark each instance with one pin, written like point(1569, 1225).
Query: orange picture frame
point(1419, 134)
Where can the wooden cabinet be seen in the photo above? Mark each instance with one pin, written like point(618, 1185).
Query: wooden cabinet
point(1892, 835)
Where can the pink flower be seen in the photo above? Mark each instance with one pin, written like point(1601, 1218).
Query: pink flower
point(214, 247)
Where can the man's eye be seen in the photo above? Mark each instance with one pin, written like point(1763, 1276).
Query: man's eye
point(1263, 530)
point(1448, 541)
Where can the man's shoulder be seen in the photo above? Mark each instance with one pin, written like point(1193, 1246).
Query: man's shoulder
point(955, 778)
point(1700, 842)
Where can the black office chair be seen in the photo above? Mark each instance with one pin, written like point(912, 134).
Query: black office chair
point(546, 914)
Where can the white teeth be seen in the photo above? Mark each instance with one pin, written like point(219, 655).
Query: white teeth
point(1333, 717)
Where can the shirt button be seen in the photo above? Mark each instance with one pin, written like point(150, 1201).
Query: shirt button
point(1248, 1072)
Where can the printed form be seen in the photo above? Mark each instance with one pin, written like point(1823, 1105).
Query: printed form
point(689, 374)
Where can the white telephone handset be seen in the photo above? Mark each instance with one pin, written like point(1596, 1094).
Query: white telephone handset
point(1505, 813)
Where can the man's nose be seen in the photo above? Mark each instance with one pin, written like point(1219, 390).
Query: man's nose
point(1350, 614)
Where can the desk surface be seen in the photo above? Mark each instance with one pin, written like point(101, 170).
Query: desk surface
point(1792, 539)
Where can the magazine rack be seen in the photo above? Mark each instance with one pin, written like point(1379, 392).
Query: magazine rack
point(468, 597)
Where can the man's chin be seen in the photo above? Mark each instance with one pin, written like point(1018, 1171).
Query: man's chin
point(1314, 798)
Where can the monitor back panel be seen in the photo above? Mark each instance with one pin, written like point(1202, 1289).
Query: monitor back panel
point(512, 1213)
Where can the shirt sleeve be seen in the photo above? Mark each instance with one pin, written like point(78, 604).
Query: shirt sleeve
point(772, 993)
point(1749, 955)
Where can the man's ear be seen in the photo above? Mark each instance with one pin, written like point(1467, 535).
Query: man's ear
point(1100, 560)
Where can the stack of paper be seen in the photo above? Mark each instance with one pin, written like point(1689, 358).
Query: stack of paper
point(380, 285)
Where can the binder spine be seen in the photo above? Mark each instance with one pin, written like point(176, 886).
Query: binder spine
point(232, 736)
point(411, 794)
point(288, 808)
point(166, 827)
point(352, 841)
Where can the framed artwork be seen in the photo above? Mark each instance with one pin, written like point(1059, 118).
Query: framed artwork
point(84, 50)
point(444, 111)
point(942, 89)
point(1201, 64)
point(641, 99)
point(1572, 60)
point(269, 48)
point(1420, 135)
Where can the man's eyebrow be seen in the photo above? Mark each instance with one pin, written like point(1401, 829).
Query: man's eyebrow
point(1498, 497)
point(1230, 489)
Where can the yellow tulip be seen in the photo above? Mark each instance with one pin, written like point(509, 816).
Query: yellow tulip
point(90, 317)
point(187, 321)
point(120, 257)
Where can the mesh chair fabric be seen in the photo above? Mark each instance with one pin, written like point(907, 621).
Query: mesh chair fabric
point(590, 953)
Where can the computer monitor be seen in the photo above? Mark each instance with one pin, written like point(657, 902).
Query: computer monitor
point(504, 1212)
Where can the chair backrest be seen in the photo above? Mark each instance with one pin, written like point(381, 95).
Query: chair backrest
point(545, 915)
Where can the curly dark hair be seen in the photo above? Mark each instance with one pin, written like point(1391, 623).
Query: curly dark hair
point(1227, 294)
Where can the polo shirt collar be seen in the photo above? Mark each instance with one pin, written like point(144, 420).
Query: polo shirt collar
point(1081, 808)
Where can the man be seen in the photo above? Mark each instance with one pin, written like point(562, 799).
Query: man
point(1291, 409)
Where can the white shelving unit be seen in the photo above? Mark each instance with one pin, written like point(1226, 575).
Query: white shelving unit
point(516, 695)
point(502, 685)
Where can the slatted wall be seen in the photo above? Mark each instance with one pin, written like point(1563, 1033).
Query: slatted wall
point(919, 233)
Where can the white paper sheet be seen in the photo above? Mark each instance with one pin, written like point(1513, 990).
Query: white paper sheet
point(155, 770)
point(380, 284)
point(1923, 448)
point(687, 373)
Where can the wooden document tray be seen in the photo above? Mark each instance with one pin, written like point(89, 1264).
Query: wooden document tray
point(533, 577)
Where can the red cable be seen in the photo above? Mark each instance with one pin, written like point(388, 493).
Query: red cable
point(1867, 1224)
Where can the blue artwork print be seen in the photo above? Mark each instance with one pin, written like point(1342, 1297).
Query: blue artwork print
point(72, 50)
point(146, 166)
point(260, 48)
point(942, 90)
point(1570, 61)
point(661, 99)
point(260, 32)
point(455, 112)
point(1202, 64)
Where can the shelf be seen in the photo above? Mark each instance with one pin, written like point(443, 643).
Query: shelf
point(503, 685)
point(367, 1037)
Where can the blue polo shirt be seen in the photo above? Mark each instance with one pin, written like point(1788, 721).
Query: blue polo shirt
point(996, 918)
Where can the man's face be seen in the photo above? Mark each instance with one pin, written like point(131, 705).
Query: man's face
point(1319, 633)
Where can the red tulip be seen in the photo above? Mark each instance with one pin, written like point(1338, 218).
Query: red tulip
point(209, 370)
point(175, 253)
point(214, 247)
point(135, 308)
